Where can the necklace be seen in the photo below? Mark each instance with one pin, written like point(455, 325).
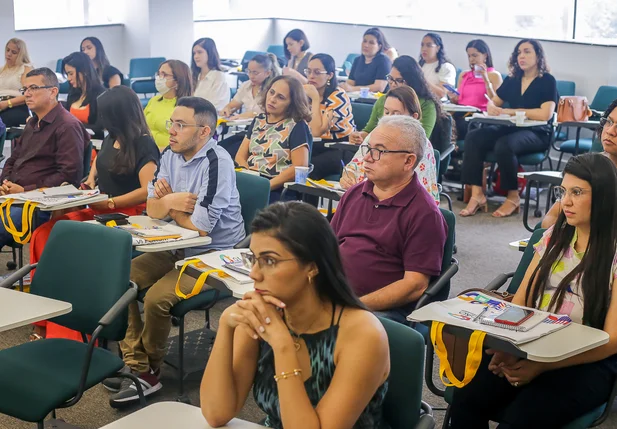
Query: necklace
point(294, 336)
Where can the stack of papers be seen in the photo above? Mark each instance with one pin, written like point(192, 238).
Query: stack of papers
point(158, 234)
point(223, 260)
point(51, 197)
point(326, 184)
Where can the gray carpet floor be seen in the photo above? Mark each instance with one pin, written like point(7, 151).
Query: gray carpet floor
point(483, 252)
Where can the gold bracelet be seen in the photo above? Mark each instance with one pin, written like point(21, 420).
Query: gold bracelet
point(285, 375)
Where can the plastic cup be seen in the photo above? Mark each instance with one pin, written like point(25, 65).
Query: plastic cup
point(302, 174)
point(364, 93)
point(520, 118)
point(477, 71)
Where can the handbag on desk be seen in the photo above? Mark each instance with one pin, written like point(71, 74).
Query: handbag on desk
point(573, 108)
point(459, 359)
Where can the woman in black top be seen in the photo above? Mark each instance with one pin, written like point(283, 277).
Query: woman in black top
point(529, 89)
point(370, 69)
point(85, 89)
point(125, 165)
point(110, 75)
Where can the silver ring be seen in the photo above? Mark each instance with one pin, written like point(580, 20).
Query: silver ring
point(515, 384)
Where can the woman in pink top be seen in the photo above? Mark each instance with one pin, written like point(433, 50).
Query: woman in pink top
point(475, 84)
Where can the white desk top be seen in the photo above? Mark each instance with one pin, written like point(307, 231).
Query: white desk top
point(547, 174)
point(147, 222)
point(20, 308)
point(95, 199)
point(167, 415)
point(97, 143)
point(507, 121)
point(450, 107)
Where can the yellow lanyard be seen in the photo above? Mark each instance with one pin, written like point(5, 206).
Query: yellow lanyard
point(472, 363)
point(199, 284)
point(27, 217)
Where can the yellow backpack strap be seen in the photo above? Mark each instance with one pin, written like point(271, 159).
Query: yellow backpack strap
point(199, 284)
point(27, 217)
point(472, 363)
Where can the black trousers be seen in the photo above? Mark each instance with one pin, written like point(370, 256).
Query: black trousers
point(552, 400)
point(507, 143)
point(462, 126)
point(16, 116)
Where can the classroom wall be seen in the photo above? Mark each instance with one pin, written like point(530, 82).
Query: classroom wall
point(234, 37)
point(47, 46)
point(589, 66)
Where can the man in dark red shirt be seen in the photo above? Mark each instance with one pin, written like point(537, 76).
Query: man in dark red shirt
point(391, 233)
point(49, 152)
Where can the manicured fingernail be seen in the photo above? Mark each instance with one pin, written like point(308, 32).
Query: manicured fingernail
point(283, 305)
point(262, 329)
point(268, 320)
point(255, 337)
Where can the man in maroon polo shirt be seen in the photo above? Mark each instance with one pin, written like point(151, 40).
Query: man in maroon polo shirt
point(49, 152)
point(391, 234)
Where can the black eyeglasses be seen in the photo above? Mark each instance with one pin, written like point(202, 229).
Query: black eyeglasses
point(391, 79)
point(606, 122)
point(33, 88)
point(376, 153)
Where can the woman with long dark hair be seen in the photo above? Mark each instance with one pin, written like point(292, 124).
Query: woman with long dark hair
point(278, 140)
point(435, 64)
point(85, 88)
point(371, 68)
point(110, 75)
point(476, 84)
point(297, 46)
point(122, 169)
point(208, 77)
point(405, 72)
point(573, 273)
point(281, 339)
point(530, 89)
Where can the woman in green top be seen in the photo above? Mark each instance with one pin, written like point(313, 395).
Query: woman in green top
point(405, 71)
point(173, 81)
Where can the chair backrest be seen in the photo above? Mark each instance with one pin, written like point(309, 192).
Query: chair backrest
point(521, 269)
point(254, 195)
point(604, 97)
point(59, 66)
point(278, 50)
point(566, 87)
point(596, 145)
point(88, 266)
point(248, 56)
point(87, 158)
point(144, 67)
point(351, 57)
point(448, 251)
point(361, 114)
point(458, 73)
point(404, 398)
point(442, 133)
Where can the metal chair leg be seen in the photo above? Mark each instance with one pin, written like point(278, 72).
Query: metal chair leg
point(19, 266)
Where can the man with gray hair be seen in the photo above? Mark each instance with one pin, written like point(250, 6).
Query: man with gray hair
point(391, 233)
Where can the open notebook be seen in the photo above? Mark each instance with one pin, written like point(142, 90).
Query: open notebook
point(477, 311)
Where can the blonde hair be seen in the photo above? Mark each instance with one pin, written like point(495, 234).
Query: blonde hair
point(22, 56)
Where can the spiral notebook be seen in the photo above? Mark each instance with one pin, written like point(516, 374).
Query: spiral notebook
point(527, 325)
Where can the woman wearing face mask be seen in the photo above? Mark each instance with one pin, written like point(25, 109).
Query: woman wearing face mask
point(405, 72)
point(436, 65)
point(607, 133)
point(173, 81)
point(476, 84)
point(280, 139)
point(109, 75)
point(296, 51)
point(13, 110)
point(261, 70)
point(208, 79)
point(85, 89)
point(332, 119)
point(531, 89)
point(399, 101)
point(370, 69)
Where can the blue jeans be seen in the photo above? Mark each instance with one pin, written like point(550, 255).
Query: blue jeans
point(16, 212)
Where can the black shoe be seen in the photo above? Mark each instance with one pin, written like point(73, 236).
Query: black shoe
point(128, 391)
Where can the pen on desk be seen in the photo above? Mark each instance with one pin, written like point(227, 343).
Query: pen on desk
point(481, 313)
point(487, 97)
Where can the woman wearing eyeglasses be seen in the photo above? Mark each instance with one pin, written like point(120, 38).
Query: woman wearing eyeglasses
point(405, 72)
point(398, 101)
point(572, 273)
point(302, 341)
point(173, 81)
point(13, 110)
point(607, 133)
point(278, 140)
point(369, 70)
point(122, 169)
point(332, 118)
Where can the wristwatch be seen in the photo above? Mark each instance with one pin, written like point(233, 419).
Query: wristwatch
point(111, 203)
point(9, 103)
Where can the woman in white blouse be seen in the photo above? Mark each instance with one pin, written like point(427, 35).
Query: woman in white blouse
point(208, 78)
point(13, 110)
point(435, 65)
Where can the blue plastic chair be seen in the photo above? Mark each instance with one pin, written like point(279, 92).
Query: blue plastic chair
point(279, 51)
point(348, 63)
point(564, 88)
point(65, 86)
point(361, 114)
point(142, 68)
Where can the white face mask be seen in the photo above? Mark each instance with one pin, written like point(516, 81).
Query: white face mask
point(161, 85)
